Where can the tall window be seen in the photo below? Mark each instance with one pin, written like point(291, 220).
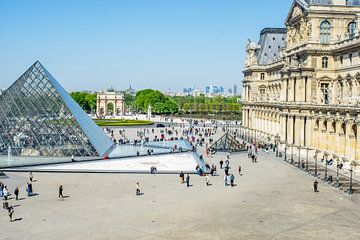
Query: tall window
point(325, 29)
point(325, 62)
point(262, 76)
point(350, 58)
point(352, 29)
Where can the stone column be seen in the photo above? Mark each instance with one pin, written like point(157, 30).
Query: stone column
point(282, 127)
point(357, 151)
point(291, 90)
point(308, 89)
point(348, 137)
point(290, 129)
point(284, 89)
point(309, 131)
point(338, 135)
point(301, 130)
point(315, 138)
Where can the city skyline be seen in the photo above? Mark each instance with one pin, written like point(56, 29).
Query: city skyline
point(91, 45)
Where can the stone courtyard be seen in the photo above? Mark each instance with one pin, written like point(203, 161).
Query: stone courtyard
point(272, 200)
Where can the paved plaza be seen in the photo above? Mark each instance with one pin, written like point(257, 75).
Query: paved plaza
point(272, 200)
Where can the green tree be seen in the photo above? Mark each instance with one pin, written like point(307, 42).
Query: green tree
point(157, 100)
point(87, 101)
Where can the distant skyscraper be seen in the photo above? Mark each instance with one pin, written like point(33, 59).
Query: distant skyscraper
point(235, 90)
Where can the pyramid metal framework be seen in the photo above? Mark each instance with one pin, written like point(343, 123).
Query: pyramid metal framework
point(226, 143)
point(39, 118)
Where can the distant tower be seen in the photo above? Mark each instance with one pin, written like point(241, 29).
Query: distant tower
point(235, 90)
point(149, 112)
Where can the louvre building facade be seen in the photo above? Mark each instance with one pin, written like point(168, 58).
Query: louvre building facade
point(39, 118)
point(302, 82)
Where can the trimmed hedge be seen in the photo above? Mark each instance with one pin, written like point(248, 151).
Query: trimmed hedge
point(121, 122)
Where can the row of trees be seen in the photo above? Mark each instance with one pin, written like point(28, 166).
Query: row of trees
point(159, 103)
point(211, 108)
point(162, 104)
point(203, 104)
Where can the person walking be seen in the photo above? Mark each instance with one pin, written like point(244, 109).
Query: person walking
point(227, 163)
point(232, 179)
point(16, 192)
point(1, 189)
point(5, 193)
point(138, 189)
point(10, 212)
point(29, 189)
point(239, 170)
point(182, 177)
point(226, 180)
point(316, 184)
point(207, 180)
point(226, 170)
point(221, 164)
point(31, 177)
point(61, 191)
point(188, 180)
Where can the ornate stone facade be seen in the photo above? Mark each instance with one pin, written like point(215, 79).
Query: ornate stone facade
point(110, 103)
point(309, 95)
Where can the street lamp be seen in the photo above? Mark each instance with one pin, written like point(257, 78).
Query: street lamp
point(352, 164)
point(337, 185)
point(285, 158)
point(307, 159)
point(326, 164)
point(299, 157)
point(316, 157)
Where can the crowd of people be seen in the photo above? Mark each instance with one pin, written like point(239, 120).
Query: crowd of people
point(6, 196)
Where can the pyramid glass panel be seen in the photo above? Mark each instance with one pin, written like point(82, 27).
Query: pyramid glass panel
point(39, 118)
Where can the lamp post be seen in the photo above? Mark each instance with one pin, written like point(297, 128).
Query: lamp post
point(299, 157)
point(326, 168)
point(307, 159)
point(337, 185)
point(190, 118)
point(316, 156)
point(285, 158)
point(351, 176)
point(292, 155)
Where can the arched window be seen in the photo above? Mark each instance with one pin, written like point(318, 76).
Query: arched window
point(352, 29)
point(325, 28)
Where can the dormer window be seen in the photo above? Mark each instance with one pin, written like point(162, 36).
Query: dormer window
point(325, 30)
point(262, 76)
point(352, 29)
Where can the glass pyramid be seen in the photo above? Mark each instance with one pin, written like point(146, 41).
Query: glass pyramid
point(39, 118)
point(227, 143)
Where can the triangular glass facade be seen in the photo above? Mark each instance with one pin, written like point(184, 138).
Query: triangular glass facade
point(38, 118)
point(227, 143)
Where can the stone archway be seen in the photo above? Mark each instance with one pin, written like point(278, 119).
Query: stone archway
point(110, 103)
point(110, 109)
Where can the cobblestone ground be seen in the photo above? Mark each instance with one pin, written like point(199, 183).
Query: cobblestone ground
point(272, 200)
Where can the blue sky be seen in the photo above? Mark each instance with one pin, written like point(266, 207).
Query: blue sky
point(162, 44)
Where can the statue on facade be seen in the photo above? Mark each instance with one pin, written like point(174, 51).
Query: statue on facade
point(251, 54)
point(294, 61)
point(309, 29)
point(303, 33)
